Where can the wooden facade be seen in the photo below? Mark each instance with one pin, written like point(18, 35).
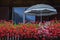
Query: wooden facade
point(6, 6)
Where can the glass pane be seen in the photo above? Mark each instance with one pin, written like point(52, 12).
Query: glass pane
point(17, 15)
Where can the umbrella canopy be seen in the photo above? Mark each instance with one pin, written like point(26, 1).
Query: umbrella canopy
point(41, 10)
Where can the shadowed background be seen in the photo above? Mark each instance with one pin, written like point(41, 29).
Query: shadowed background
point(7, 5)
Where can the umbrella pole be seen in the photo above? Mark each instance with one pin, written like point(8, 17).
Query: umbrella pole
point(41, 17)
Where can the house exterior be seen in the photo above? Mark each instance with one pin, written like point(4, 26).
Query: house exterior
point(6, 7)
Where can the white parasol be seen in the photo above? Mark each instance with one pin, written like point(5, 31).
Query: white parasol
point(41, 10)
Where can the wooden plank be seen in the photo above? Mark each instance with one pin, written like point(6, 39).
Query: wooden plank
point(28, 2)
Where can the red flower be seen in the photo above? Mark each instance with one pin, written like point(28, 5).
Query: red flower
point(43, 38)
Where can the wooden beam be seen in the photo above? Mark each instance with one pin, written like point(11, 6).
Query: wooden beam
point(28, 2)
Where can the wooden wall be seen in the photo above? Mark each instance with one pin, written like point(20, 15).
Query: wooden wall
point(4, 13)
point(6, 6)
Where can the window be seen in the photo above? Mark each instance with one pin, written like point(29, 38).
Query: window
point(17, 15)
